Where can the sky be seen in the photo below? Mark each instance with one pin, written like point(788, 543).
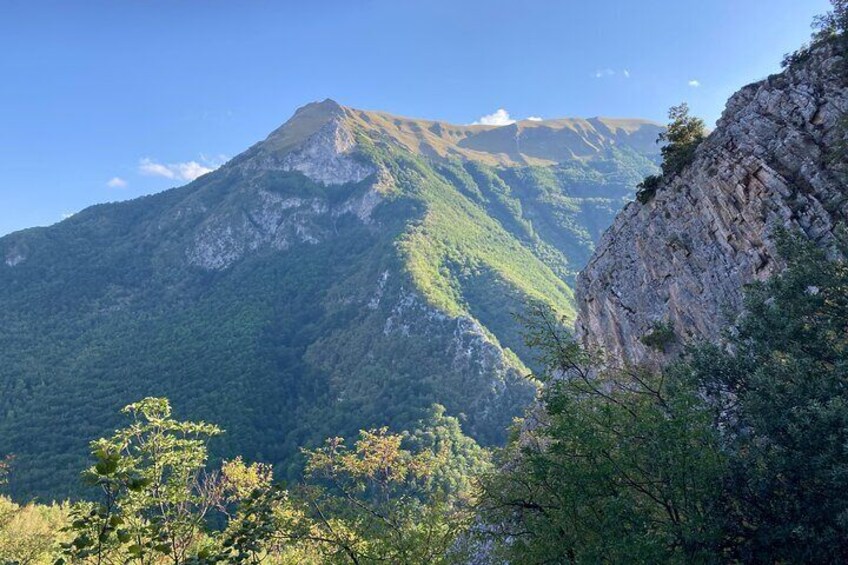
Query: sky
point(106, 100)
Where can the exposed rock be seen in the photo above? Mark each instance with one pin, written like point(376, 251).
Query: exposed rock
point(362, 206)
point(685, 255)
point(271, 220)
point(15, 255)
point(316, 142)
point(471, 348)
point(476, 355)
point(325, 158)
point(14, 259)
point(374, 302)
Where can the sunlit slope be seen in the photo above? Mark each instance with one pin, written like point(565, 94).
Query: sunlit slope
point(289, 309)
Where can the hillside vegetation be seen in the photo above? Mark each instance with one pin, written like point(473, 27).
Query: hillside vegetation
point(309, 357)
point(721, 457)
point(288, 309)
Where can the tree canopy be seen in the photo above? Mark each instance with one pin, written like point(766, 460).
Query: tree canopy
point(681, 138)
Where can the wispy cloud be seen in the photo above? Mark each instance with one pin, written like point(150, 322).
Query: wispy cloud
point(499, 117)
point(116, 182)
point(186, 171)
point(609, 73)
point(534, 118)
point(66, 215)
point(150, 168)
point(694, 83)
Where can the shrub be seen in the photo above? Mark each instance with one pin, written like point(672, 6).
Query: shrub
point(827, 27)
point(659, 337)
point(647, 188)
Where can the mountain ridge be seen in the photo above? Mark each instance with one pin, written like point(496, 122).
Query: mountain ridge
point(547, 141)
point(327, 279)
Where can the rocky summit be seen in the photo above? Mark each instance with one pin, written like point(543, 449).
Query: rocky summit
point(349, 271)
point(683, 258)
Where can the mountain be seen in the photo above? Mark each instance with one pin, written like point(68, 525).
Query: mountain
point(776, 159)
point(348, 271)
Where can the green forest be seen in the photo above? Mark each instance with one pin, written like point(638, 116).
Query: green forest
point(726, 455)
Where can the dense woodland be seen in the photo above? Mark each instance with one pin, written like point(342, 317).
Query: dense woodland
point(727, 455)
point(731, 453)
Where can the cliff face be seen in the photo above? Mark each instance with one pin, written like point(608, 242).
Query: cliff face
point(684, 257)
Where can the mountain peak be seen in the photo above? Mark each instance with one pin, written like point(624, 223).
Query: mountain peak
point(316, 141)
point(325, 109)
point(305, 123)
point(320, 138)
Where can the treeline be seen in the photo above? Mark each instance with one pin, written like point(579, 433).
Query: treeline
point(731, 454)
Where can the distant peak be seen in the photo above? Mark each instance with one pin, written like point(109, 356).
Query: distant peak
point(326, 107)
point(305, 122)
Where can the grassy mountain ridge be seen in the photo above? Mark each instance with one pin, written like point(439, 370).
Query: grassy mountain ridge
point(289, 309)
point(525, 142)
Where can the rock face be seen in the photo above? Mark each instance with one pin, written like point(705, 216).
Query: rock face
point(315, 142)
point(684, 257)
point(269, 220)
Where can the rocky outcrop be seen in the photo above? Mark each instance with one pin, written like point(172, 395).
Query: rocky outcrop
point(491, 378)
point(15, 256)
point(317, 141)
point(269, 220)
point(326, 157)
point(684, 257)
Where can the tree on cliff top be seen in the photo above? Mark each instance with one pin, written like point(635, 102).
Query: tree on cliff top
point(682, 136)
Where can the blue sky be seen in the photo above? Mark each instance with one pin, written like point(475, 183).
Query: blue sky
point(108, 100)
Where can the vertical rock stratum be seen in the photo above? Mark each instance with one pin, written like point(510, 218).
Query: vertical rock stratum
point(683, 257)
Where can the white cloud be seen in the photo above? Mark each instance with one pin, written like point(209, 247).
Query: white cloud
point(152, 169)
point(191, 170)
point(116, 182)
point(66, 215)
point(186, 171)
point(534, 118)
point(608, 73)
point(694, 83)
point(499, 118)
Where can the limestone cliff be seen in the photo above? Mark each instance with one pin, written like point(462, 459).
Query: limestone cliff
point(684, 256)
